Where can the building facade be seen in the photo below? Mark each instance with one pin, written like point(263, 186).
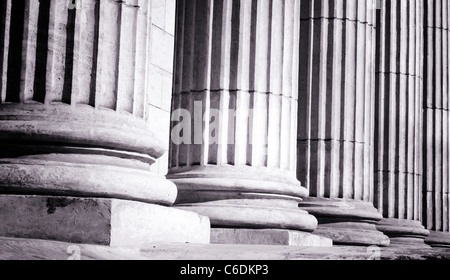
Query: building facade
point(275, 122)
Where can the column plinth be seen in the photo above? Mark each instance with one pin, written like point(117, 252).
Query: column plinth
point(248, 205)
point(77, 147)
point(232, 154)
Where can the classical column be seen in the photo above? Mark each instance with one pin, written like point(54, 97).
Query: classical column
point(436, 123)
point(232, 153)
point(76, 144)
point(399, 121)
point(336, 118)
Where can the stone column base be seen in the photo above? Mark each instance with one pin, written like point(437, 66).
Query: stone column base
point(85, 175)
point(268, 237)
point(355, 234)
point(259, 219)
point(438, 239)
point(255, 211)
point(404, 232)
point(246, 199)
point(346, 222)
point(100, 221)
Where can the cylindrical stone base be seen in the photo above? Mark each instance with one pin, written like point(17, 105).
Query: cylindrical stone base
point(404, 232)
point(346, 222)
point(79, 151)
point(438, 239)
point(243, 197)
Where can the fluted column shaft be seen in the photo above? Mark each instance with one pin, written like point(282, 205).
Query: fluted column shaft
point(73, 123)
point(436, 121)
point(233, 146)
point(336, 116)
point(336, 99)
point(80, 51)
point(398, 118)
point(236, 59)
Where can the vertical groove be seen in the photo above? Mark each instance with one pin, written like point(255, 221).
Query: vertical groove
point(141, 58)
point(276, 79)
point(84, 54)
point(109, 49)
point(284, 136)
point(295, 86)
point(5, 17)
point(202, 78)
point(29, 50)
point(15, 51)
point(58, 37)
point(127, 56)
point(174, 152)
point(42, 51)
point(69, 57)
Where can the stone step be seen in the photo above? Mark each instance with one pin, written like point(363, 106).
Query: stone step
point(99, 221)
point(28, 249)
point(268, 237)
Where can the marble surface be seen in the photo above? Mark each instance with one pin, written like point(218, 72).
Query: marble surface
point(25, 249)
point(101, 221)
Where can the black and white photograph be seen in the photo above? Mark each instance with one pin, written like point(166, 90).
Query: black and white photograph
point(207, 131)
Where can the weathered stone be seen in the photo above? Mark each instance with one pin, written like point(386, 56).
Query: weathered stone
point(254, 213)
point(80, 126)
point(84, 118)
point(346, 222)
point(438, 239)
point(352, 234)
point(74, 125)
point(204, 183)
point(85, 176)
point(109, 222)
point(26, 249)
point(404, 232)
point(268, 237)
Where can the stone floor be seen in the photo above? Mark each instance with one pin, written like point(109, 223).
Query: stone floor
point(24, 249)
